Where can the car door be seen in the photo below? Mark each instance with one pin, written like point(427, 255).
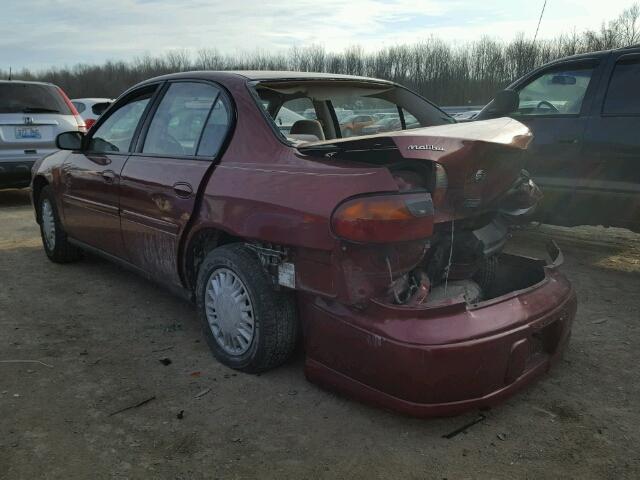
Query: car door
point(180, 142)
point(91, 176)
point(555, 104)
point(612, 146)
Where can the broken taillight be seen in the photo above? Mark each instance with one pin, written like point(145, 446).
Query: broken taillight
point(384, 218)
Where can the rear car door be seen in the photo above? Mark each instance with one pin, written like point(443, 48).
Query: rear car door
point(612, 146)
point(180, 142)
point(556, 104)
point(91, 177)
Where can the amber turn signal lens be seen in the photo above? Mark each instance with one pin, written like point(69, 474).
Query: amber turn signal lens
point(385, 218)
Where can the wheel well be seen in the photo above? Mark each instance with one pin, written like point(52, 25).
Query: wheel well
point(39, 183)
point(200, 245)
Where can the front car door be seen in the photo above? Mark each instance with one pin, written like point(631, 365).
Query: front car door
point(612, 145)
point(91, 176)
point(555, 104)
point(178, 146)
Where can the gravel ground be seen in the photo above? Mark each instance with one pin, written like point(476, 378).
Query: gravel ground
point(103, 333)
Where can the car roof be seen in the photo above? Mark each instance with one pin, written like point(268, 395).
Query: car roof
point(26, 82)
point(597, 54)
point(263, 75)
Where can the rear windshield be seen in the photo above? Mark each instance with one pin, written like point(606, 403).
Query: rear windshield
point(317, 110)
point(31, 98)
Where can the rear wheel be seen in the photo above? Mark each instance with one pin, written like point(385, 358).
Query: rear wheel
point(54, 239)
point(249, 325)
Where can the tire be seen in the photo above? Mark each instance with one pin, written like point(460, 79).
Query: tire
point(238, 274)
point(54, 239)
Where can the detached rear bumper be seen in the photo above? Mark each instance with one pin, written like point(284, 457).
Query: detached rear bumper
point(440, 360)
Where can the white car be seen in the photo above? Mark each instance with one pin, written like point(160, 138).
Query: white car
point(91, 108)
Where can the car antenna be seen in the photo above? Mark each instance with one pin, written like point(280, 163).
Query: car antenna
point(9, 72)
point(539, 21)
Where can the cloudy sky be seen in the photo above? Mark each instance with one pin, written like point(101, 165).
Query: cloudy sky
point(44, 33)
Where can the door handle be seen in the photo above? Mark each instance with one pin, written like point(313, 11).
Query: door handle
point(568, 140)
point(183, 189)
point(109, 176)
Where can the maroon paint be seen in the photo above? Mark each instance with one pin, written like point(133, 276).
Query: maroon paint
point(422, 361)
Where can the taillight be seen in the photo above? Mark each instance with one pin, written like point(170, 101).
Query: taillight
point(440, 187)
point(81, 125)
point(89, 123)
point(384, 218)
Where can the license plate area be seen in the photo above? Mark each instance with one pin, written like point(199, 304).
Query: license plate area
point(28, 133)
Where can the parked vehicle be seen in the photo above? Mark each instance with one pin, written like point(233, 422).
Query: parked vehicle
point(352, 125)
point(91, 108)
point(32, 114)
point(383, 252)
point(584, 112)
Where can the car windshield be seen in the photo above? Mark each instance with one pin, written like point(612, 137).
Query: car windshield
point(319, 110)
point(18, 97)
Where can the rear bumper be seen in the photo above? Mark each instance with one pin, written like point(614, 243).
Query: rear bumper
point(439, 361)
point(16, 174)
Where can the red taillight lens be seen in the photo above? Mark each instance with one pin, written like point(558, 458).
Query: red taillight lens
point(440, 187)
point(81, 125)
point(89, 122)
point(384, 218)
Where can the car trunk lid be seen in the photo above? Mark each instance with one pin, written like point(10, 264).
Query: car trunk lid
point(482, 159)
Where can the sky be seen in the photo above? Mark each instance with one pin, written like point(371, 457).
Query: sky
point(40, 34)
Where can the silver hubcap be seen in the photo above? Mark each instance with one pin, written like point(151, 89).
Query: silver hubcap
point(229, 311)
point(48, 224)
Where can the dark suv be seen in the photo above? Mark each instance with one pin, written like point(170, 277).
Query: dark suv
point(584, 112)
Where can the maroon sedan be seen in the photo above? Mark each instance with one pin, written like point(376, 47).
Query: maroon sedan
point(383, 252)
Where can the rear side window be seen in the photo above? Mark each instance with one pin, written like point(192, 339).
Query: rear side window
point(180, 119)
point(623, 95)
point(99, 108)
point(116, 133)
point(215, 131)
point(80, 107)
point(18, 97)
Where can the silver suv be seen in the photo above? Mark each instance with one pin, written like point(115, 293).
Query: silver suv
point(32, 114)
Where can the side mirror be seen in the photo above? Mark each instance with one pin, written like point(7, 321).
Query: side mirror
point(69, 141)
point(506, 102)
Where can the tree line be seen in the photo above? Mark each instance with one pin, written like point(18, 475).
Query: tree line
point(448, 74)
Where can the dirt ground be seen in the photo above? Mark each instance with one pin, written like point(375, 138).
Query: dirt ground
point(103, 331)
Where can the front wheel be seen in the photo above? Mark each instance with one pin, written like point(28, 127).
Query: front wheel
point(249, 325)
point(54, 239)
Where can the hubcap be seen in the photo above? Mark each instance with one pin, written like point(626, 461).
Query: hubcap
point(229, 312)
point(48, 224)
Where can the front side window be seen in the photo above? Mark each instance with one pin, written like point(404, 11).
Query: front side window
point(557, 92)
point(116, 133)
point(623, 95)
point(180, 118)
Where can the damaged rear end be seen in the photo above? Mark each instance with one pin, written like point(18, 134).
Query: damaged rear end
point(430, 316)
point(441, 232)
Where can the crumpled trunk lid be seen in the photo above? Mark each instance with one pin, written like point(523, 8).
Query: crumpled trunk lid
point(482, 159)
